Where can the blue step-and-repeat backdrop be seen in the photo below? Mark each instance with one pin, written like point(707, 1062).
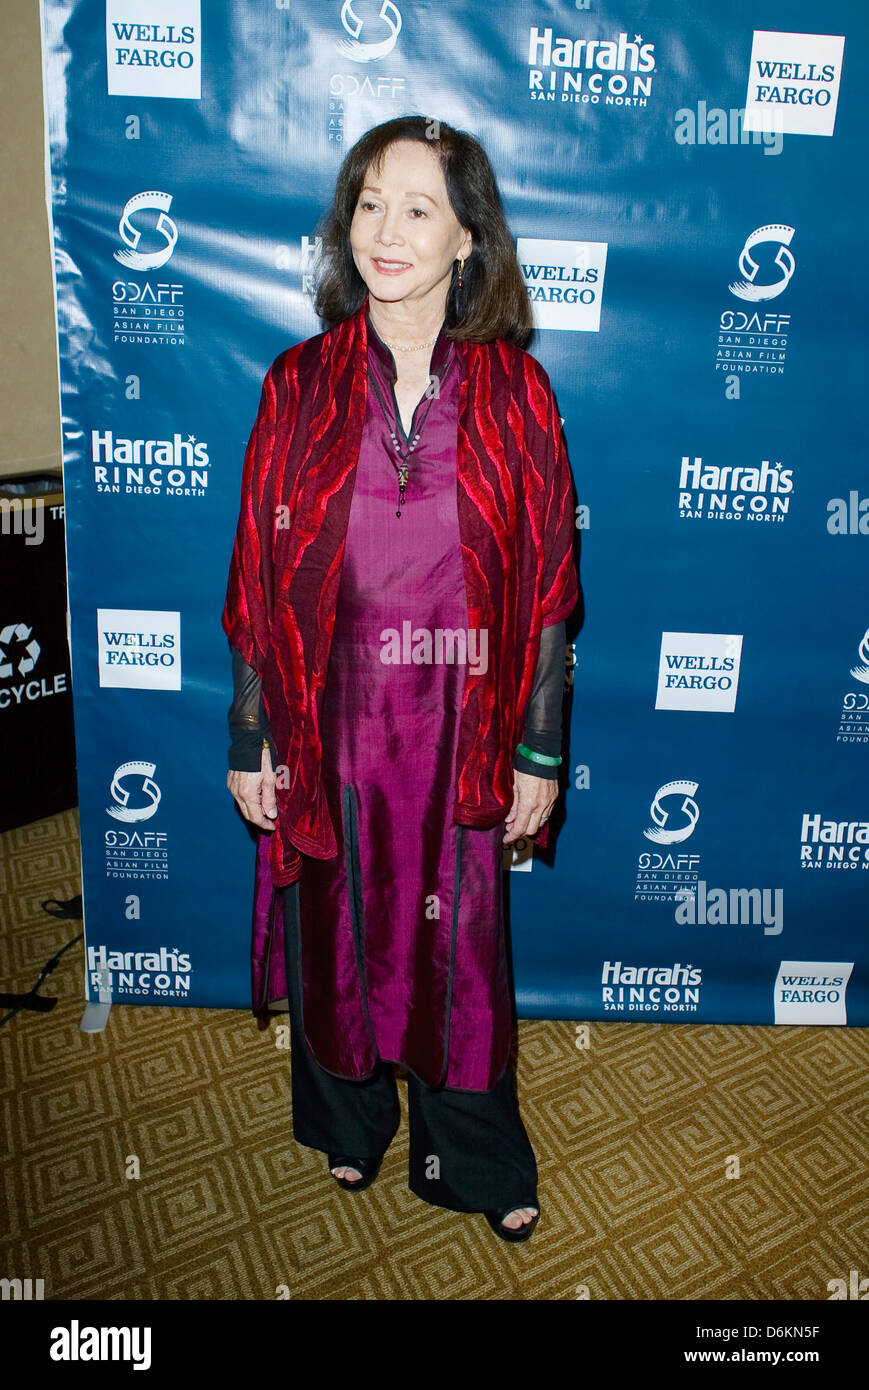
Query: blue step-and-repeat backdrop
point(686, 186)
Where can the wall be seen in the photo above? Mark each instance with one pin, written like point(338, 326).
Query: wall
point(29, 410)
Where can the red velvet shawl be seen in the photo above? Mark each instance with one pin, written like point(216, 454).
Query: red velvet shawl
point(516, 524)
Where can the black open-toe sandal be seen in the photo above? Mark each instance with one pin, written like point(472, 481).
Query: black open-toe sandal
point(368, 1167)
point(495, 1218)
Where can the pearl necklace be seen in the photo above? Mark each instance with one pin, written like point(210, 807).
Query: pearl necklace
point(415, 347)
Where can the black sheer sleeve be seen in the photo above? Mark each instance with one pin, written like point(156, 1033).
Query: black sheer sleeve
point(544, 710)
point(248, 725)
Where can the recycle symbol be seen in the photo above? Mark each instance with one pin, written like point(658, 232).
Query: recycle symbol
point(19, 632)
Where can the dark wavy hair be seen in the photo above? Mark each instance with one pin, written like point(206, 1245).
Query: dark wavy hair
point(492, 301)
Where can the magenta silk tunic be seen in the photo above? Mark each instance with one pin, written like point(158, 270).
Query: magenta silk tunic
point(402, 943)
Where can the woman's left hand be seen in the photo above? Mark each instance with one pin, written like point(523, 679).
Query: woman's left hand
point(533, 800)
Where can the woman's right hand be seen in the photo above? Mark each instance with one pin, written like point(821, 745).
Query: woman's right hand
point(254, 793)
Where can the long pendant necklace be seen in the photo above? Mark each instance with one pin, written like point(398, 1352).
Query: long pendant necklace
point(403, 455)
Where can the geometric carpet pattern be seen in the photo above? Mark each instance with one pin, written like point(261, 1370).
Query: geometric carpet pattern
point(155, 1160)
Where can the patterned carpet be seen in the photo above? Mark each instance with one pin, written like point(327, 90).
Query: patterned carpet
point(633, 1138)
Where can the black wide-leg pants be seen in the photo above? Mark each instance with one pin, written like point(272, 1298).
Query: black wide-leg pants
point(469, 1150)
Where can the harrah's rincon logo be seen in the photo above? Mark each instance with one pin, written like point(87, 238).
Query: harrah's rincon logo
point(175, 467)
point(669, 989)
point(734, 492)
point(586, 71)
point(833, 844)
point(163, 972)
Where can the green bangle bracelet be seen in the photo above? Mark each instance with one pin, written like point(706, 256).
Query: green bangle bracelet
point(537, 757)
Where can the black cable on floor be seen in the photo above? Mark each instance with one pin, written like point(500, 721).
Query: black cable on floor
point(69, 909)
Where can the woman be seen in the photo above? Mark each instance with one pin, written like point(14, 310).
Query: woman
point(401, 575)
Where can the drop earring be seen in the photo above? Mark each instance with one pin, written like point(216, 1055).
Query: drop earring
point(461, 268)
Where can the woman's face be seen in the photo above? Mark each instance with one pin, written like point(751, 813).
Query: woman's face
point(404, 235)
